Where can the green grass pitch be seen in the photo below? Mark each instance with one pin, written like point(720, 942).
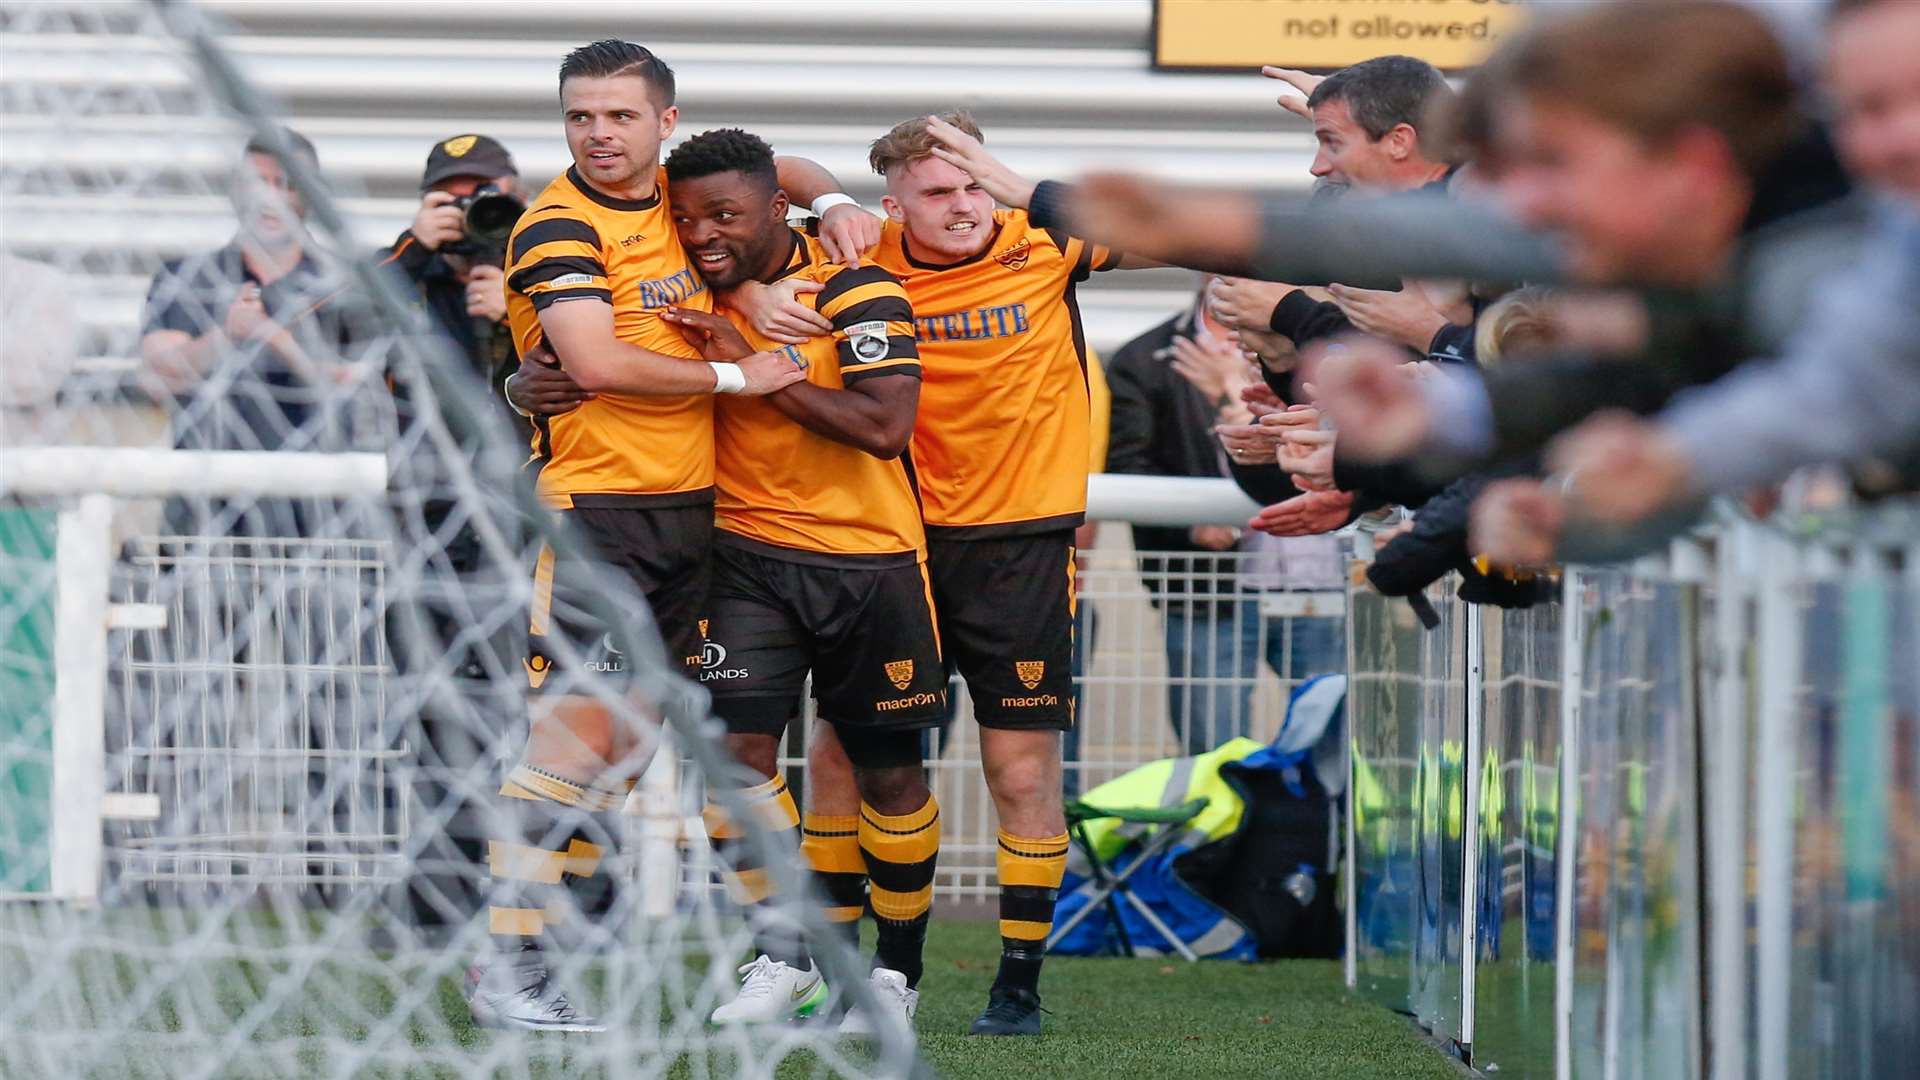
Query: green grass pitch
point(1110, 1018)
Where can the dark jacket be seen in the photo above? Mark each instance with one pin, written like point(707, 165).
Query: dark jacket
point(1383, 485)
point(433, 287)
point(1161, 426)
point(427, 280)
point(1437, 543)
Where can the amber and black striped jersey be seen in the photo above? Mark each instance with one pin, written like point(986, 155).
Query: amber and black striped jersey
point(1000, 446)
point(574, 243)
point(789, 493)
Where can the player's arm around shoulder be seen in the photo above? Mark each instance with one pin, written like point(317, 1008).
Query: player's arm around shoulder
point(879, 366)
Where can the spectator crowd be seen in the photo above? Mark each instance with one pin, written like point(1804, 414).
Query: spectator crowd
point(1640, 264)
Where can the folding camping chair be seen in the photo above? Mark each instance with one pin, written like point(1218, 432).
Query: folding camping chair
point(1108, 888)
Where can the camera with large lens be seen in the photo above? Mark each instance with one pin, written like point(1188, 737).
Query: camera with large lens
point(490, 216)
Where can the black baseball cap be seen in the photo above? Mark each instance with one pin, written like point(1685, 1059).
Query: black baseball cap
point(467, 155)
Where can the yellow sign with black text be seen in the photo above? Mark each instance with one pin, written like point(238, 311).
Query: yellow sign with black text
point(1322, 35)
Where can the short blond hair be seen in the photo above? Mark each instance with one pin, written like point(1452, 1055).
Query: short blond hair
point(909, 142)
point(1520, 322)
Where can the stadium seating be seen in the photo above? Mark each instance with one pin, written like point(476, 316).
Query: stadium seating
point(1060, 87)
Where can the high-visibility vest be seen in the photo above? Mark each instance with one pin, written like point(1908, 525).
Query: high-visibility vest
point(1170, 782)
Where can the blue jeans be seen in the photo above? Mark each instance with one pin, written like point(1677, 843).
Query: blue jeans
point(1212, 656)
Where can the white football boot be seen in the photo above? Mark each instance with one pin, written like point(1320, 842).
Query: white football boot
point(893, 995)
point(518, 993)
point(772, 991)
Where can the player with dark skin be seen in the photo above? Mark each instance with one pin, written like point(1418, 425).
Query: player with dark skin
point(736, 232)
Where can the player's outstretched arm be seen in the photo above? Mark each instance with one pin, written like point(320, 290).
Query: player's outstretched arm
point(581, 334)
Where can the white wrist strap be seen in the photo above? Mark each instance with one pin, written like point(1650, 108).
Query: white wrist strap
point(506, 391)
point(830, 200)
point(728, 378)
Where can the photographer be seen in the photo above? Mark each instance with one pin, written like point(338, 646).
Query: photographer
point(451, 258)
point(452, 253)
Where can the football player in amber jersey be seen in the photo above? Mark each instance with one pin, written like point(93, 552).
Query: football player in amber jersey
point(591, 267)
point(1000, 452)
point(818, 568)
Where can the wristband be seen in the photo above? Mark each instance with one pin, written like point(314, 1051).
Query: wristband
point(506, 385)
point(728, 378)
point(830, 200)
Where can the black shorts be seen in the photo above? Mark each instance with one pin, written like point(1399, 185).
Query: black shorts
point(656, 556)
point(866, 632)
point(1006, 620)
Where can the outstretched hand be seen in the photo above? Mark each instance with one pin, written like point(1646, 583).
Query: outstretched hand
point(1622, 468)
point(1307, 455)
point(1377, 406)
point(848, 232)
point(1404, 316)
point(716, 338)
point(1308, 514)
point(775, 311)
point(1517, 522)
point(1300, 81)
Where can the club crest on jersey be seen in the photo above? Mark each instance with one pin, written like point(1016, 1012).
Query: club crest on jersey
point(900, 673)
point(1030, 672)
point(1015, 257)
point(869, 341)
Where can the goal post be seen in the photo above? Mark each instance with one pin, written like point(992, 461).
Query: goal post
point(285, 685)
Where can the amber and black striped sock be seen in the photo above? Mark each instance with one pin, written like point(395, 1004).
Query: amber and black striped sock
point(1030, 873)
point(901, 850)
point(747, 881)
point(832, 847)
point(549, 851)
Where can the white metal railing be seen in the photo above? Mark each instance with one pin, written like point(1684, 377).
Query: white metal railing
point(1685, 845)
point(242, 731)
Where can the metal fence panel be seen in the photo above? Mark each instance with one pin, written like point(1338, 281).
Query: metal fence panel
point(1855, 964)
point(1407, 709)
point(1518, 835)
point(1636, 954)
point(1440, 805)
point(254, 719)
point(1382, 702)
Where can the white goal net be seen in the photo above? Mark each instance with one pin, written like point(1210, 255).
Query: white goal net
point(266, 563)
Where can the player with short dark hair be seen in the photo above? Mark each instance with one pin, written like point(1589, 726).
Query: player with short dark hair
point(818, 569)
point(592, 267)
point(819, 563)
point(611, 57)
